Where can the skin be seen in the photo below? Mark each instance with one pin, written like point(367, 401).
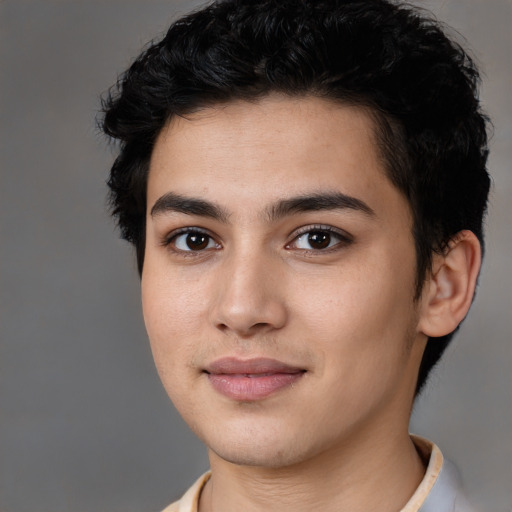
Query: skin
point(337, 439)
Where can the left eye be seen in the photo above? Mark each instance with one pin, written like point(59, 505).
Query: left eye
point(317, 239)
point(193, 241)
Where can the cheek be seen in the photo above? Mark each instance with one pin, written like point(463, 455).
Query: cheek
point(172, 320)
point(355, 299)
point(171, 315)
point(172, 298)
point(361, 340)
point(360, 315)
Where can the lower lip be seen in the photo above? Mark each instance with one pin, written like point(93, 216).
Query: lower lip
point(255, 387)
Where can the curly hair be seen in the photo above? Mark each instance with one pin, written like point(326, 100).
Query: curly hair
point(392, 58)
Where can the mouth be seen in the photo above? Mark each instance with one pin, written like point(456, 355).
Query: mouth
point(252, 379)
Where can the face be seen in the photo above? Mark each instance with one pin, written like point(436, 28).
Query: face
point(278, 280)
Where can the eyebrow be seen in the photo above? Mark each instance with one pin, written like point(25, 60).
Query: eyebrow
point(172, 202)
point(317, 202)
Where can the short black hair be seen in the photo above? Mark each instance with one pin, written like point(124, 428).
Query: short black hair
point(388, 57)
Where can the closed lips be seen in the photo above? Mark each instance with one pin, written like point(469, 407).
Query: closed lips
point(253, 379)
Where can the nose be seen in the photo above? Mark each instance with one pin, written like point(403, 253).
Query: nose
point(250, 299)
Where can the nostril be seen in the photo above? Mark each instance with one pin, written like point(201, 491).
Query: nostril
point(259, 325)
point(222, 327)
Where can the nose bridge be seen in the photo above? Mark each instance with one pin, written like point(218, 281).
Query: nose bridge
point(249, 298)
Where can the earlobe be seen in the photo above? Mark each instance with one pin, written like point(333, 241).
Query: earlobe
point(449, 290)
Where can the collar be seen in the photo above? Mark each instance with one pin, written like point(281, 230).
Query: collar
point(439, 491)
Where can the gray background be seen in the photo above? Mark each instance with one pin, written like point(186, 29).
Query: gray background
point(85, 425)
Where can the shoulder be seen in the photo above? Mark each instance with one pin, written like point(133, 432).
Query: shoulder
point(441, 489)
point(173, 507)
point(448, 492)
point(189, 501)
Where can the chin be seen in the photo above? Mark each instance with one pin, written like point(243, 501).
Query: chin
point(259, 449)
point(258, 456)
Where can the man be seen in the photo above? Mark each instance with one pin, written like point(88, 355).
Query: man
point(305, 185)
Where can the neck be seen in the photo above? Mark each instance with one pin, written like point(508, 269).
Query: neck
point(381, 474)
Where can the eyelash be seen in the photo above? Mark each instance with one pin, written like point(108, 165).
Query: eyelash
point(169, 241)
point(343, 237)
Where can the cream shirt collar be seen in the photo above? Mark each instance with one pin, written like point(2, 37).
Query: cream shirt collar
point(439, 491)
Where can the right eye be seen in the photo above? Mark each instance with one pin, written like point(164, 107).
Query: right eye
point(193, 241)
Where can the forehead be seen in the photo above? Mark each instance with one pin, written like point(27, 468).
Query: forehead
point(258, 152)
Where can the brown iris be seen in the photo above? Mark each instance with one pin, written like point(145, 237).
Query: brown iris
point(319, 239)
point(197, 241)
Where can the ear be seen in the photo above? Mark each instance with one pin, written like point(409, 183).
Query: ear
point(449, 290)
